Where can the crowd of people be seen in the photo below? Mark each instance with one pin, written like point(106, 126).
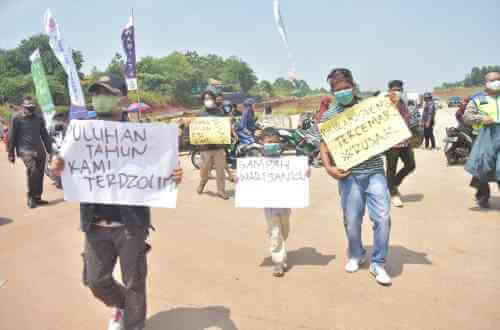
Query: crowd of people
point(115, 232)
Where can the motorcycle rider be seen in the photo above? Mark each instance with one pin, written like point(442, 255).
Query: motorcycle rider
point(401, 151)
point(247, 126)
point(212, 154)
point(29, 139)
point(115, 231)
point(484, 110)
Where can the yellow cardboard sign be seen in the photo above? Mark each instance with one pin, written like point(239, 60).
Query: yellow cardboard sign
point(210, 130)
point(363, 131)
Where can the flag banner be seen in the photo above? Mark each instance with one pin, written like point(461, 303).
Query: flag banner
point(64, 54)
point(128, 44)
point(42, 88)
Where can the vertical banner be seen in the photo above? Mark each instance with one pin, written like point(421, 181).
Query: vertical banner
point(64, 54)
point(42, 88)
point(128, 44)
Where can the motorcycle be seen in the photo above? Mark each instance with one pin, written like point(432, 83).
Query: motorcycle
point(304, 143)
point(233, 152)
point(458, 144)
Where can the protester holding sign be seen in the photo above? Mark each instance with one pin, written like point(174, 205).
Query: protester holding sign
point(213, 154)
point(362, 186)
point(113, 230)
point(402, 150)
point(274, 182)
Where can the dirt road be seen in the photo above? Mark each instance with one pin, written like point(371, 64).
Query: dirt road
point(209, 268)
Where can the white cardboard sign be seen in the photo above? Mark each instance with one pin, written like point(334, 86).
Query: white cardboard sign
point(120, 163)
point(273, 182)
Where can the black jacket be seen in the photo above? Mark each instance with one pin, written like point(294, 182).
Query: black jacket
point(28, 134)
point(137, 216)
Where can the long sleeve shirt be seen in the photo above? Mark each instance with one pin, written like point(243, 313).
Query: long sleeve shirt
point(28, 134)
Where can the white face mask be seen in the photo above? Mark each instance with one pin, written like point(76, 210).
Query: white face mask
point(209, 104)
point(493, 85)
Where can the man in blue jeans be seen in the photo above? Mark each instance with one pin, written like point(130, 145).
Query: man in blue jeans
point(365, 185)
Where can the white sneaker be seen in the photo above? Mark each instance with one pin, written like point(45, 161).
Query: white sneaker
point(353, 264)
point(380, 274)
point(396, 201)
point(116, 322)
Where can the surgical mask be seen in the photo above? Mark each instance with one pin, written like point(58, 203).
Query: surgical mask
point(272, 149)
point(344, 97)
point(494, 85)
point(209, 104)
point(105, 103)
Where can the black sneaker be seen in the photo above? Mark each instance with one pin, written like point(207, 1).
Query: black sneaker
point(40, 201)
point(32, 203)
point(484, 202)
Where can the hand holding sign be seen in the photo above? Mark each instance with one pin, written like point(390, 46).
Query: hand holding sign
point(210, 130)
point(120, 163)
point(363, 131)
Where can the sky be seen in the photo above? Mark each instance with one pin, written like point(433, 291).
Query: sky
point(423, 42)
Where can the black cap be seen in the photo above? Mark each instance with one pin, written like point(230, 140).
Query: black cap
point(112, 83)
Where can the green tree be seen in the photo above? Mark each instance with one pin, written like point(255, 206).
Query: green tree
point(117, 65)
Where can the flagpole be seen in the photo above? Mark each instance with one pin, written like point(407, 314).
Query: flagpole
point(138, 91)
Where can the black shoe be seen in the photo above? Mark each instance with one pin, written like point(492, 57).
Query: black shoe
point(484, 202)
point(32, 203)
point(40, 201)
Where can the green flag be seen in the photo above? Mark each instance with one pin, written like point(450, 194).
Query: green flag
point(42, 87)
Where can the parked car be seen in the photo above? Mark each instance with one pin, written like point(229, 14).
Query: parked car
point(454, 101)
point(437, 102)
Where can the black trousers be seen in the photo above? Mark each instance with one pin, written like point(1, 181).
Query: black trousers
point(103, 247)
point(394, 179)
point(35, 166)
point(429, 136)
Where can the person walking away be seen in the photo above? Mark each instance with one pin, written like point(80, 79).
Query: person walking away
point(363, 186)
point(115, 232)
point(483, 110)
point(247, 126)
point(428, 118)
point(212, 154)
point(29, 139)
point(401, 151)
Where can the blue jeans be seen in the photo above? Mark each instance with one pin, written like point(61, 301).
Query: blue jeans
point(357, 192)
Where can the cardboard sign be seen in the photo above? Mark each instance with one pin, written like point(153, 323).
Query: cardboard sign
point(363, 131)
point(120, 163)
point(273, 182)
point(210, 130)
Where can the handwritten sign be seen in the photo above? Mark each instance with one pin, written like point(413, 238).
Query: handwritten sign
point(272, 182)
point(363, 131)
point(210, 130)
point(120, 163)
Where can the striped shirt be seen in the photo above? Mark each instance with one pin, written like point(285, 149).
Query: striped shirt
point(370, 166)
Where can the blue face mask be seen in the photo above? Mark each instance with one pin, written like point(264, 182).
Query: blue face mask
point(272, 149)
point(344, 97)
